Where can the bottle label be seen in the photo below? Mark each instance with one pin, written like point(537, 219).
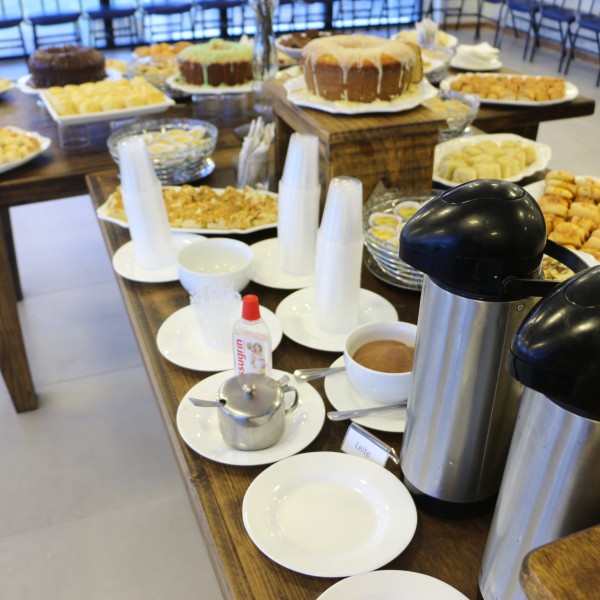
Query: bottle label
point(252, 353)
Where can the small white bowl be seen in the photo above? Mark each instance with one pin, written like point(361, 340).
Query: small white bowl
point(214, 261)
point(380, 387)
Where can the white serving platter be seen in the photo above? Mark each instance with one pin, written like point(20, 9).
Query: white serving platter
point(103, 214)
point(178, 83)
point(44, 145)
point(571, 91)
point(298, 94)
point(107, 115)
point(544, 154)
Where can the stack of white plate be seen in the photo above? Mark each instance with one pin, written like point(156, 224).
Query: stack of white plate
point(384, 216)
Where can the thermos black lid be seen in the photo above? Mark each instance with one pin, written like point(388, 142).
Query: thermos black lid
point(556, 350)
point(475, 235)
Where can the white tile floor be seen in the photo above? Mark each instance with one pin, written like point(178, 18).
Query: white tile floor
point(92, 504)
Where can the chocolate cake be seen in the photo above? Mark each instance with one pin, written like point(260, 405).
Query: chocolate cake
point(63, 65)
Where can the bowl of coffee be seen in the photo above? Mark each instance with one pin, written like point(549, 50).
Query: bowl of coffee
point(378, 358)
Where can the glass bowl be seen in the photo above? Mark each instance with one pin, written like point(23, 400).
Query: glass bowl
point(179, 148)
point(436, 62)
point(383, 246)
point(459, 110)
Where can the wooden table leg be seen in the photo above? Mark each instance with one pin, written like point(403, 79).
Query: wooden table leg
point(7, 234)
point(13, 359)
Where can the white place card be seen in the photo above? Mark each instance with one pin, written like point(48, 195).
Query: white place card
point(360, 442)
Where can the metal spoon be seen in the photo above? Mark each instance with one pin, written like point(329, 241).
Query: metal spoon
point(207, 403)
point(341, 415)
point(317, 373)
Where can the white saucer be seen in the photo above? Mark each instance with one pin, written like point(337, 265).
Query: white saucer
point(181, 342)
point(265, 268)
point(456, 63)
point(199, 427)
point(295, 312)
point(344, 396)
point(385, 584)
point(125, 264)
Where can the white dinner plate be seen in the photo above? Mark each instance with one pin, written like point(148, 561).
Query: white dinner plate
point(571, 91)
point(199, 427)
point(457, 63)
point(391, 585)
point(296, 315)
point(125, 264)
point(179, 83)
point(265, 268)
point(329, 514)
point(298, 94)
point(103, 213)
point(44, 145)
point(25, 86)
point(543, 151)
point(180, 340)
point(344, 396)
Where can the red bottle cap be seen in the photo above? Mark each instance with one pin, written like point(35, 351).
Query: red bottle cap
point(250, 308)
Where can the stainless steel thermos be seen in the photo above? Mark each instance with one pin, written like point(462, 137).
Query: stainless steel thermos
point(551, 483)
point(480, 246)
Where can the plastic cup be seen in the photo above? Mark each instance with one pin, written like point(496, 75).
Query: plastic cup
point(301, 169)
point(254, 172)
point(206, 107)
point(73, 137)
point(342, 217)
point(217, 308)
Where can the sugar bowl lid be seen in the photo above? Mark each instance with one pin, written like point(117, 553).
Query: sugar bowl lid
point(251, 395)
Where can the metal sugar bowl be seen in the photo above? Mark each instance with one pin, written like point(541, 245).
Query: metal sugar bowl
point(252, 411)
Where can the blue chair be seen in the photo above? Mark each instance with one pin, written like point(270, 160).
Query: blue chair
point(11, 19)
point(50, 14)
point(587, 30)
point(107, 23)
point(480, 6)
point(444, 9)
point(156, 19)
point(522, 11)
point(556, 17)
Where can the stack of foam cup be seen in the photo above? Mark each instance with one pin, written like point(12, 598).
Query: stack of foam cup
point(144, 205)
point(299, 195)
point(339, 248)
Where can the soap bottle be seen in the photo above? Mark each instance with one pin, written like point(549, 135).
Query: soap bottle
point(251, 340)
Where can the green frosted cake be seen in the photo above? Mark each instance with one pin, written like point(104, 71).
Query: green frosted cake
point(218, 62)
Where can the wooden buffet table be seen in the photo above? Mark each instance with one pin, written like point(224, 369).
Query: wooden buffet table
point(450, 550)
point(56, 174)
